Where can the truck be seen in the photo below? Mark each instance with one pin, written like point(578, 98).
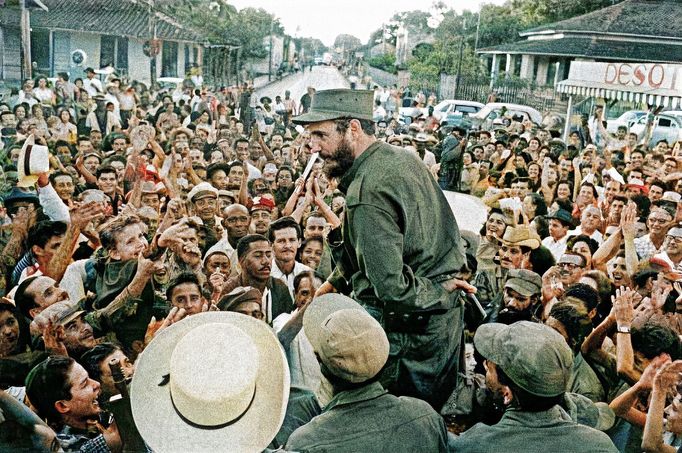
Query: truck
point(327, 58)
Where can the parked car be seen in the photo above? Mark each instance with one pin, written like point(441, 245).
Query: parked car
point(667, 126)
point(627, 119)
point(453, 106)
point(492, 114)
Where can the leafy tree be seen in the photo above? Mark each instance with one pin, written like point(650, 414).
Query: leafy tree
point(221, 23)
point(249, 27)
point(347, 42)
point(209, 19)
point(384, 62)
point(312, 47)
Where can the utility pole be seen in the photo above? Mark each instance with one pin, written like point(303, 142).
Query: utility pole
point(272, 25)
point(26, 40)
point(459, 63)
point(152, 34)
point(478, 26)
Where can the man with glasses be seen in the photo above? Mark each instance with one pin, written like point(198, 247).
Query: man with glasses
point(672, 248)
point(571, 268)
point(658, 222)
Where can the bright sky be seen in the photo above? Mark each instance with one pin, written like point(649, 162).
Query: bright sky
point(325, 19)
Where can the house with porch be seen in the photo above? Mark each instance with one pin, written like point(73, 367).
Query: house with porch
point(75, 34)
point(642, 31)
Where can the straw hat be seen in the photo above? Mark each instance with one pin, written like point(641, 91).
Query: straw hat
point(521, 236)
point(33, 160)
point(211, 382)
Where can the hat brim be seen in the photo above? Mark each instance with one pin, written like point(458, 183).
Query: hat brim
point(525, 292)
point(319, 310)
point(162, 427)
point(71, 317)
point(532, 243)
point(24, 180)
point(318, 116)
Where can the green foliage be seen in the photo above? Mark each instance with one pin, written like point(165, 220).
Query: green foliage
point(221, 23)
point(385, 62)
point(347, 42)
point(249, 28)
point(206, 19)
point(498, 24)
point(312, 47)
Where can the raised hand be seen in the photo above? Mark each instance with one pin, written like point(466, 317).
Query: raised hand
point(623, 306)
point(649, 374)
point(52, 337)
point(659, 293)
point(669, 376)
point(176, 314)
point(83, 213)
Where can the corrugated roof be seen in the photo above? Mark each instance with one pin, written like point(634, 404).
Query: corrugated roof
point(601, 49)
point(630, 17)
point(114, 17)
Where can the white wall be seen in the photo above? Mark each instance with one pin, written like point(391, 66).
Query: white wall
point(138, 62)
point(87, 42)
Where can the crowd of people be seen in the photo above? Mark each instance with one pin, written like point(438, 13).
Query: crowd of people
point(197, 269)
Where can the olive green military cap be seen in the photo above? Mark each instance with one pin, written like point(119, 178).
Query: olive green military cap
point(337, 104)
point(532, 355)
point(525, 282)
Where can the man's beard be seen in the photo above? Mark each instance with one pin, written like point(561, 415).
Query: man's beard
point(510, 316)
point(340, 162)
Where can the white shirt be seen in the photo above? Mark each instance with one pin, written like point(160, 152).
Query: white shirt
point(429, 158)
point(303, 366)
point(597, 236)
point(43, 94)
point(117, 105)
point(93, 86)
point(557, 248)
point(288, 278)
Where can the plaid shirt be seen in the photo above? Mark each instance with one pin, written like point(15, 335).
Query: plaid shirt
point(644, 247)
point(72, 439)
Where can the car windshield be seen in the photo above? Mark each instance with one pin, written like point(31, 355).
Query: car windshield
point(466, 109)
point(442, 107)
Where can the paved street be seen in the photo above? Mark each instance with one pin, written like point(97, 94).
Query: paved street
point(322, 78)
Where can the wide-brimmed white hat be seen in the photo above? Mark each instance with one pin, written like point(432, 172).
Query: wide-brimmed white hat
point(33, 160)
point(216, 381)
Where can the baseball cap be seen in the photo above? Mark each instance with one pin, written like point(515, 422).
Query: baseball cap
point(348, 341)
point(239, 295)
point(202, 190)
point(532, 355)
point(525, 282)
point(263, 204)
point(562, 215)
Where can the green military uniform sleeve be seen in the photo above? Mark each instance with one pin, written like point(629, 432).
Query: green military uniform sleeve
point(379, 249)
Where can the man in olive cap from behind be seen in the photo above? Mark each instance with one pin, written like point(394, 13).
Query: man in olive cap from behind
point(352, 348)
point(528, 366)
point(400, 249)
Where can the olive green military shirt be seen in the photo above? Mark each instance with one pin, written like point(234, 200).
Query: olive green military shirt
point(584, 380)
point(369, 419)
point(532, 432)
point(398, 233)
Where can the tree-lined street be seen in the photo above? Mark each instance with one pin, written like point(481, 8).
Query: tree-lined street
point(321, 78)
